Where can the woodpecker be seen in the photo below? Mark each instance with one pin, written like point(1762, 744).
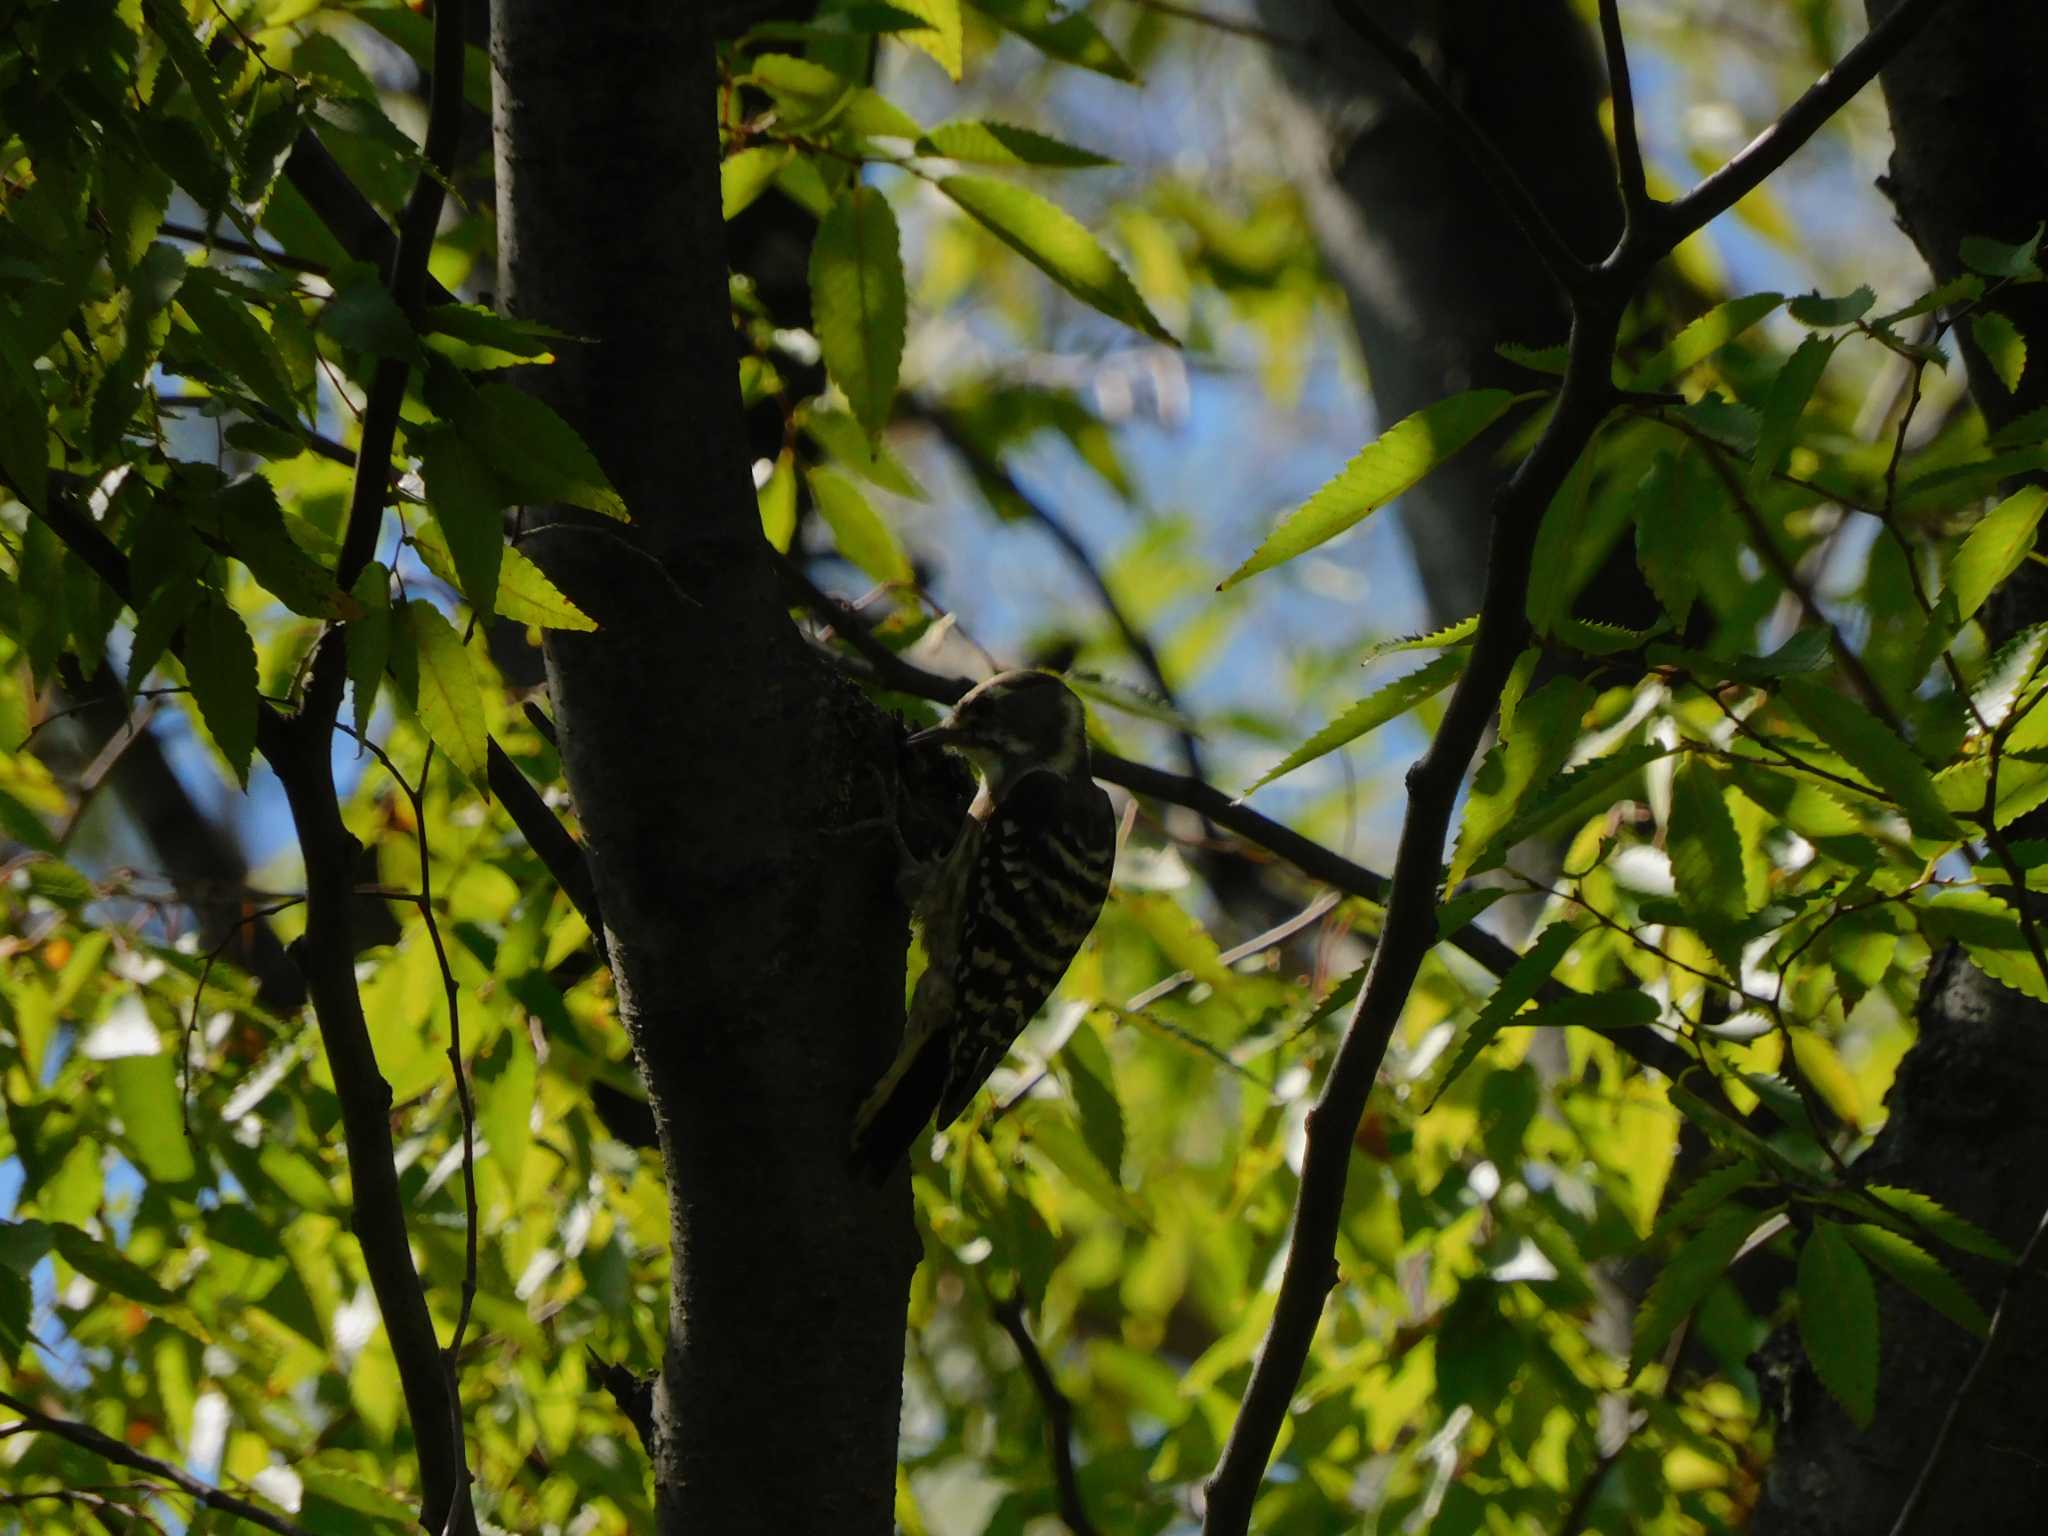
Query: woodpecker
point(1006, 910)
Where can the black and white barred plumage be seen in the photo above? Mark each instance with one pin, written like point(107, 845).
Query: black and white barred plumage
point(1006, 911)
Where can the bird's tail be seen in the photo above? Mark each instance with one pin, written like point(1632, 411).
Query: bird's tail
point(888, 1123)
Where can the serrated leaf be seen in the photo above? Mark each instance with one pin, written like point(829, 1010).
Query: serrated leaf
point(744, 176)
point(220, 664)
point(1589, 637)
point(363, 317)
point(1392, 463)
point(1869, 747)
point(1460, 633)
point(1921, 1273)
point(1706, 853)
point(940, 37)
point(445, 693)
point(145, 1092)
point(369, 640)
point(467, 500)
point(808, 95)
point(1464, 909)
point(1991, 934)
point(1525, 978)
point(776, 499)
point(1067, 35)
point(1058, 244)
point(1930, 1215)
point(527, 596)
point(1703, 338)
point(1536, 743)
point(858, 529)
point(538, 455)
point(1785, 403)
point(1594, 1010)
point(850, 448)
point(858, 303)
point(2022, 431)
point(2006, 675)
point(1388, 702)
point(491, 333)
point(1553, 360)
point(106, 1267)
point(1995, 548)
point(1685, 1280)
point(1838, 1319)
point(231, 336)
point(1706, 1194)
point(246, 515)
point(1811, 309)
point(2002, 345)
point(991, 143)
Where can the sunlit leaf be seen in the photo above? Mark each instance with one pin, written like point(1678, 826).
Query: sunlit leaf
point(857, 301)
point(1388, 702)
point(1838, 1319)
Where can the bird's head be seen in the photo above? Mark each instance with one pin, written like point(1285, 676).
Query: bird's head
point(1015, 723)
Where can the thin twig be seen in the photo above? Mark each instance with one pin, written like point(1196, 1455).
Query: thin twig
point(1628, 148)
point(1566, 270)
point(1232, 25)
point(1910, 1510)
point(1059, 1414)
point(121, 1454)
point(260, 914)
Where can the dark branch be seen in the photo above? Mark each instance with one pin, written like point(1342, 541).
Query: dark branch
point(109, 1449)
point(1059, 1415)
point(1628, 148)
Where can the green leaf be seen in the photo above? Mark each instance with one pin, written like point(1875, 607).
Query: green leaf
point(1995, 259)
point(1392, 463)
point(1684, 1282)
point(2002, 345)
point(941, 36)
point(1921, 1273)
point(527, 596)
point(1838, 1319)
point(539, 456)
point(1703, 338)
point(1705, 1195)
point(1386, 703)
point(1930, 1215)
point(1460, 633)
point(993, 143)
point(468, 501)
point(220, 664)
point(1991, 935)
point(776, 499)
point(1067, 35)
point(363, 317)
point(1551, 360)
point(1560, 539)
point(1541, 735)
point(1464, 909)
point(104, 1266)
point(246, 515)
point(1092, 1084)
point(850, 448)
point(1786, 403)
point(744, 176)
point(24, 444)
point(1057, 243)
point(857, 301)
point(231, 336)
point(1995, 548)
point(145, 1092)
point(449, 703)
point(808, 95)
point(1594, 1010)
point(1811, 309)
point(1874, 752)
point(490, 331)
point(1706, 853)
point(369, 640)
point(1525, 978)
point(858, 529)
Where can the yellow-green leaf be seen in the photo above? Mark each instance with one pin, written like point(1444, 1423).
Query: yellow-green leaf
point(1055, 242)
point(857, 301)
point(2002, 345)
point(1995, 548)
point(449, 703)
point(1386, 703)
point(1393, 462)
point(1873, 751)
point(857, 528)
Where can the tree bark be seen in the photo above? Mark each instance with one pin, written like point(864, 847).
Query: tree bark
point(731, 793)
point(1968, 1114)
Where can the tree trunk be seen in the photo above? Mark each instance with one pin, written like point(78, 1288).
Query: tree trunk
point(730, 793)
point(1968, 1114)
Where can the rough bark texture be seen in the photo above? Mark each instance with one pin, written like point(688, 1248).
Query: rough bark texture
point(1436, 274)
point(730, 793)
point(1968, 1114)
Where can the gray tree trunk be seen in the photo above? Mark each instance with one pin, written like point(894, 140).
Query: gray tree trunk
point(729, 789)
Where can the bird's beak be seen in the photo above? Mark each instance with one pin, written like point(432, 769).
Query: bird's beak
point(941, 733)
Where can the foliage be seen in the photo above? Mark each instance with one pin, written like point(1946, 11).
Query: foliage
point(1768, 825)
